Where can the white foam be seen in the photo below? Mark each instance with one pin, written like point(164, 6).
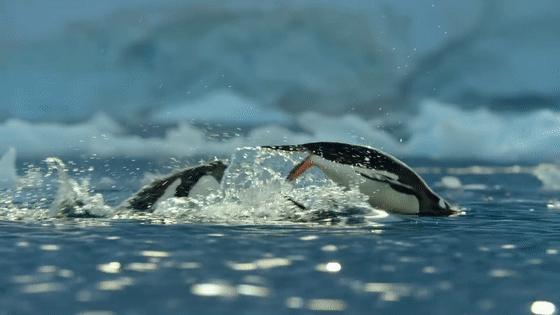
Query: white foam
point(254, 191)
point(73, 198)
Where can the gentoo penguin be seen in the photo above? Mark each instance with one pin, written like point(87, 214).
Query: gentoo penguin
point(390, 184)
point(189, 182)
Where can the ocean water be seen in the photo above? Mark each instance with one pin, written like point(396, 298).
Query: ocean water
point(248, 252)
point(100, 98)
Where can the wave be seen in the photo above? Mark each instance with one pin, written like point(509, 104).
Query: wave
point(437, 131)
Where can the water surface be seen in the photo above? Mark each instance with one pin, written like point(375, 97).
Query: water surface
point(499, 257)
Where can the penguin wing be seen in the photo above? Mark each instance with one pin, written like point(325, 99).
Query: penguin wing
point(295, 203)
point(396, 185)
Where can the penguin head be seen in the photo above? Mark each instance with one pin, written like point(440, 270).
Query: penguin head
point(440, 208)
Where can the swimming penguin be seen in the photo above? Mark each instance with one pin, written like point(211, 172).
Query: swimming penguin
point(390, 184)
point(189, 182)
point(194, 181)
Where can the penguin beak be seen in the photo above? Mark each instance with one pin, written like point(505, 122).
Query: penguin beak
point(300, 169)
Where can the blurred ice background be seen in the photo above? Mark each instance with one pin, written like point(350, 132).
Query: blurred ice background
point(135, 78)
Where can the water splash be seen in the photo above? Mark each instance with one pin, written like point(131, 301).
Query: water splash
point(253, 191)
point(74, 199)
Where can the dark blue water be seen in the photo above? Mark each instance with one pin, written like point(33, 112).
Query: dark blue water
point(500, 257)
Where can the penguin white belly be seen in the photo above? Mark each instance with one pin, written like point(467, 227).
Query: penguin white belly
point(168, 193)
point(206, 185)
point(381, 195)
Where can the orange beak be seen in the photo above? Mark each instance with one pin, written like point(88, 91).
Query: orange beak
point(300, 169)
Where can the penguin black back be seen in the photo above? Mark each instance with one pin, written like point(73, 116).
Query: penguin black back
point(359, 156)
point(147, 197)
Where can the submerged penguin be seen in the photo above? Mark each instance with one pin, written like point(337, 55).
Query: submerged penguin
point(390, 184)
point(200, 181)
point(194, 181)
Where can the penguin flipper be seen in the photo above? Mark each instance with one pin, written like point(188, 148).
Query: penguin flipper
point(396, 185)
point(295, 203)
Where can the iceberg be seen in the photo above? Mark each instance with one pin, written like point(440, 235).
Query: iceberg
point(438, 131)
